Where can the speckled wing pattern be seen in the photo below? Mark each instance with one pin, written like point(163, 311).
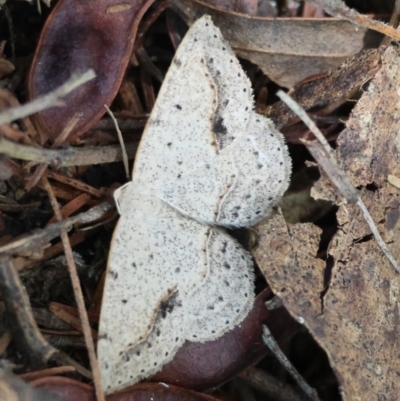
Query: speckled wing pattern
point(206, 159)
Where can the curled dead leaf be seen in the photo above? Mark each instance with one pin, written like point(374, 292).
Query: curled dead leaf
point(286, 49)
point(249, 7)
point(78, 36)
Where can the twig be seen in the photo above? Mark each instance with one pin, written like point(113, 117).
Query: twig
point(337, 8)
point(42, 167)
point(375, 232)
point(64, 359)
point(121, 141)
point(82, 186)
point(70, 319)
point(270, 385)
point(78, 295)
point(46, 372)
point(11, 32)
point(274, 303)
point(5, 340)
point(325, 157)
point(51, 99)
point(40, 237)
point(274, 348)
point(66, 157)
point(14, 388)
point(395, 181)
point(24, 328)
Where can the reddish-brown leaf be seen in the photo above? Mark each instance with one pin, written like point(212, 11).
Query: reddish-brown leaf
point(201, 366)
point(79, 35)
point(73, 390)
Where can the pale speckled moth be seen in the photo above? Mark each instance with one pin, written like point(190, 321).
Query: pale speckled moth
point(206, 159)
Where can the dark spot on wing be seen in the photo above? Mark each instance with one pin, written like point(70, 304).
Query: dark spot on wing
point(168, 305)
point(219, 126)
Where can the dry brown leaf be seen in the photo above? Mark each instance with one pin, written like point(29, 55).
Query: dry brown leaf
point(332, 89)
point(369, 147)
point(357, 320)
point(354, 315)
point(240, 6)
point(286, 49)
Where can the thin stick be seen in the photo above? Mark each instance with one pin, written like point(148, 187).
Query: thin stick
point(327, 160)
point(270, 385)
point(76, 184)
point(338, 8)
point(24, 329)
point(121, 141)
point(41, 168)
point(37, 239)
point(59, 370)
point(274, 348)
point(78, 295)
point(66, 131)
point(51, 99)
point(66, 157)
point(375, 232)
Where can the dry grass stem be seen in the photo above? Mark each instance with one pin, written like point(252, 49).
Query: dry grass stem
point(275, 349)
point(270, 385)
point(59, 370)
point(121, 141)
point(338, 8)
point(66, 157)
point(78, 295)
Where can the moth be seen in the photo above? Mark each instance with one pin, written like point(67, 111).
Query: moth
point(206, 161)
